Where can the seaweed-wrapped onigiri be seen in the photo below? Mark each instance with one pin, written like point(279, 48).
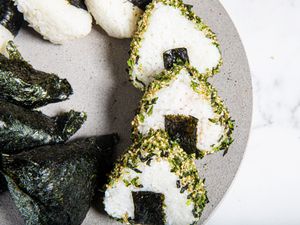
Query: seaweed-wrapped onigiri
point(21, 84)
point(54, 185)
point(22, 129)
point(117, 17)
point(56, 20)
point(188, 108)
point(10, 22)
point(168, 25)
point(155, 182)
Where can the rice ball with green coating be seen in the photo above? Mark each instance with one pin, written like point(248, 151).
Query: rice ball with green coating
point(155, 182)
point(184, 104)
point(168, 25)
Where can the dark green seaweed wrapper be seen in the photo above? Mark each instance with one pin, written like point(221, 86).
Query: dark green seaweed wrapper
point(54, 185)
point(148, 208)
point(142, 4)
point(22, 129)
point(176, 56)
point(183, 129)
point(10, 17)
point(78, 3)
point(21, 84)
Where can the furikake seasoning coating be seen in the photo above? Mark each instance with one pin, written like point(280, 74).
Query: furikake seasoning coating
point(148, 207)
point(143, 24)
point(21, 84)
point(176, 56)
point(10, 17)
point(199, 85)
point(183, 129)
point(142, 4)
point(22, 129)
point(54, 185)
point(78, 3)
point(157, 146)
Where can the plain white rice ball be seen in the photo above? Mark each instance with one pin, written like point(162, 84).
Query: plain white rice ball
point(56, 20)
point(117, 17)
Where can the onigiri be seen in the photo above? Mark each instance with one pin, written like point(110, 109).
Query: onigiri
point(56, 20)
point(167, 25)
point(155, 182)
point(117, 17)
point(188, 108)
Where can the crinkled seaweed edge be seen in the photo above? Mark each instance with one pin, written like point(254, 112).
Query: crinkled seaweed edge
point(158, 144)
point(142, 27)
point(201, 86)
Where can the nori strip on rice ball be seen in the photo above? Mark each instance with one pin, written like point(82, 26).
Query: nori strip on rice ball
point(165, 25)
point(155, 164)
point(22, 129)
point(54, 185)
point(21, 84)
point(148, 207)
point(10, 18)
point(183, 129)
point(177, 56)
point(181, 92)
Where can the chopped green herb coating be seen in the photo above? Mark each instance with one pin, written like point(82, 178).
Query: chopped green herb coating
point(201, 86)
point(186, 11)
point(157, 145)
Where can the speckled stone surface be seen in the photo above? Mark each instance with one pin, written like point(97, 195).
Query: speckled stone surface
point(95, 66)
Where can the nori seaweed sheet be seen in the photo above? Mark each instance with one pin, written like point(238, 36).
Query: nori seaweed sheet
point(148, 208)
point(10, 17)
point(183, 129)
point(78, 3)
point(21, 84)
point(22, 129)
point(54, 185)
point(176, 56)
point(142, 4)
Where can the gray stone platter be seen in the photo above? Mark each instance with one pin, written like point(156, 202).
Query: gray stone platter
point(95, 66)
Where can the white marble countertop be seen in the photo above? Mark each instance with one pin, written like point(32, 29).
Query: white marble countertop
point(266, 189)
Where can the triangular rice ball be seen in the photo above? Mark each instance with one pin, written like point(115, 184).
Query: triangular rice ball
point(189, 109)
point(166, 25)
point(54, 185)
point(155, 182)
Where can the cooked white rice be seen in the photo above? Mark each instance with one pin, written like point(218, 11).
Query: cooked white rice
point(5, 36)
point(117, 17)
point(179, 98)
point(56, 20)
point(174, 175)
point(165, 28)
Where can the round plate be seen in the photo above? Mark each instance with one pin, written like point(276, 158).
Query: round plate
point(96, 68)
